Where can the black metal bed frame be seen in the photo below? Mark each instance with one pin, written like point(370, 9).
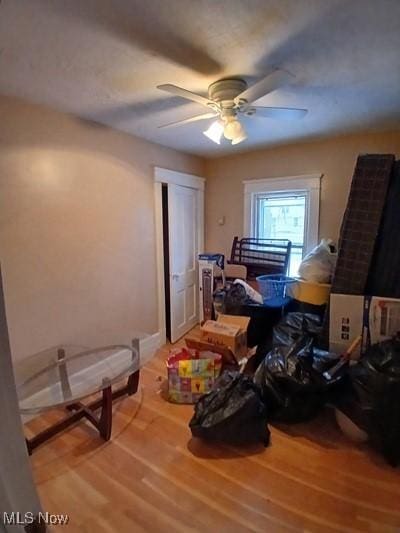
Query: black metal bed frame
point(261, 256)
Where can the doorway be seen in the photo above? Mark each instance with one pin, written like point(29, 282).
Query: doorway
point(179, 202)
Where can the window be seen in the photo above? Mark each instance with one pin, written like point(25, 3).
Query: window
point(284, 208)
point(282, 216)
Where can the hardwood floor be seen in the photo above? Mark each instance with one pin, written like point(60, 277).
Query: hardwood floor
point(152, 476)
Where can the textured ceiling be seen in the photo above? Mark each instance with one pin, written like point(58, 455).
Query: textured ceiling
point(102, 60)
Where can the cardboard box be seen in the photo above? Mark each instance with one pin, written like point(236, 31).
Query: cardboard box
point(375, 318)
point(345, 321)
point(381, 318)
point(229, 331)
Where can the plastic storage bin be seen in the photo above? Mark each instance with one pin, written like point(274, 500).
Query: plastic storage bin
point(273, 287)
point(310, 292)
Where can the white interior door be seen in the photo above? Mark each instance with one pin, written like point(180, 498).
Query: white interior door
point(183, 251)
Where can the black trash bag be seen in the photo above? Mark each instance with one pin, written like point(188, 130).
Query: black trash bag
point(232, 413)
point(235, 297)
point(295, 325)
point(376, 390)
point(292, 382)
point(285, 332)
point(229, 300)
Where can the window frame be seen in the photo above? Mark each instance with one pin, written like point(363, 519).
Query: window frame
point(309, 184)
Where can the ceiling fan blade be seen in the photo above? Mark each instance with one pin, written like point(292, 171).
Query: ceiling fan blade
point(178, 91)
point(284, 113)
point(204, 116)
point(273, 81)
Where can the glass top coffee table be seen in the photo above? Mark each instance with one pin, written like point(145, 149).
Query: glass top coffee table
point(64, 376)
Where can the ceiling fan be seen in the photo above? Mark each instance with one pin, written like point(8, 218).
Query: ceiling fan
point(228, 99)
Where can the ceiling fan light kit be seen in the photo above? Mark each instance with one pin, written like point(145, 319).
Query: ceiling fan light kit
point(230, 98)
point(215, 131)
point(239, 139)
point(230, 129)
point(233, 129)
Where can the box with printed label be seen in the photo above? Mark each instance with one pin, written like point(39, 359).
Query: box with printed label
point(375, 318)
point(229, 331)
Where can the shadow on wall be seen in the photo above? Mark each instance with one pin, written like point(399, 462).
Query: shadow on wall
point(65, 132)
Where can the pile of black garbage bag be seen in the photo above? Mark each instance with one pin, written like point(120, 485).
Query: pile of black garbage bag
point(371, 398)
point(291, 376)
point(288, 385)
point(234, 412)
point(295, 380)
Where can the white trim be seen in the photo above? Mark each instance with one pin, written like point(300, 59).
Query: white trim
point(311, 183)
point(200, 219)
point(163, 175)
point(149, 345)
point(308, 180)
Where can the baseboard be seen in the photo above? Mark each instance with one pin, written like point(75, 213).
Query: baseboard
point(149, 345)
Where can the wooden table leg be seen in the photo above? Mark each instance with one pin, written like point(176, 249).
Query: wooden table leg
point(73, 406)
point(133, 383)
point(36, 526)
point(78, 411)
point(28, 446)
point(105, 422)
point(49, 432)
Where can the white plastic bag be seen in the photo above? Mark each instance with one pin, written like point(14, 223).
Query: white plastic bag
point(318, 265)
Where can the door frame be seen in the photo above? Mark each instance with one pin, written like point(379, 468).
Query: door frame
point(18, 491)
point(166, 176)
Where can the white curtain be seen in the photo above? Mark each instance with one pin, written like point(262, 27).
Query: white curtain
point(17, 489)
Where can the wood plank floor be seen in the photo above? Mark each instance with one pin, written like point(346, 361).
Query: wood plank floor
point(152, 476)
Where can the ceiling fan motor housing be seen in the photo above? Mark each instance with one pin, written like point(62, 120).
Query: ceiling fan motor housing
point(225, 91)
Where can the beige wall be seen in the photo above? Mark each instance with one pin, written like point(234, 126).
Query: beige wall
point(77, 236)
point(334, 158)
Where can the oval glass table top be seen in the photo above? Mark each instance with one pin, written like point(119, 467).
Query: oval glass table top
point(67, 374)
